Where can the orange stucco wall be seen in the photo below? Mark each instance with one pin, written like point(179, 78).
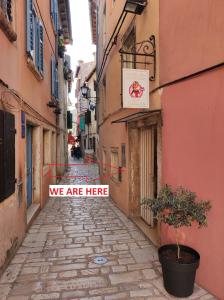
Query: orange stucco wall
point(15, 72)
point(110, 103)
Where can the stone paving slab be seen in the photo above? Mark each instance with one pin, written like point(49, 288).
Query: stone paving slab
point(56, 259)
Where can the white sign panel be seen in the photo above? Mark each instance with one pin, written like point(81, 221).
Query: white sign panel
point(135, 88)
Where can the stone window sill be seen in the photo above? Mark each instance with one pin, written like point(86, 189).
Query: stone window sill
point(34, 70)
point(6, 27)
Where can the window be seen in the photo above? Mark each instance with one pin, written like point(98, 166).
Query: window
point(46, 147)
point(123, 155)
point(54, 14)
point(104, 161)
point(90, 143)
point(104, 94)
point(114, 165)
point(6, 6)
point(54, 79)
point(104, 27)
point(94, 144)
point(35, 37)
point(129, 46)
point(7, 154)
point(88, 117)
point(113, 3)
point(6, 18)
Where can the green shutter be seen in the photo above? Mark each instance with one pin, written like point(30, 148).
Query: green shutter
point(69, 120)
point(7, 154)
point(2, 167)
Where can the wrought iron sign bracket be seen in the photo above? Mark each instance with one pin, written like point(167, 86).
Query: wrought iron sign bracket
point(142, 54)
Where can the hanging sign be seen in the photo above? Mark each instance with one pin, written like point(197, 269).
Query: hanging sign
point(135, 88)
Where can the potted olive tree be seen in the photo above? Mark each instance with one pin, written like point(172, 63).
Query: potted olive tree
point(178, 208)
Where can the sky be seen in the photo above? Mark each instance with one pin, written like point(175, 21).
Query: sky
point(82, 48)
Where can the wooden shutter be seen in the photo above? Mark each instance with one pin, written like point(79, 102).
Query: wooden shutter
point(2, 186)
point(7, 155)
point(41, 47)
point(29, 27)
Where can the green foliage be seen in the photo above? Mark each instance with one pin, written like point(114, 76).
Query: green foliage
point(178, 207)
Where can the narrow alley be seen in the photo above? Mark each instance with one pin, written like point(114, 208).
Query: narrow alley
point(57, 257)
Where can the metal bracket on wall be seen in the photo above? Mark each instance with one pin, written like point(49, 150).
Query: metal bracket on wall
point(142, 53)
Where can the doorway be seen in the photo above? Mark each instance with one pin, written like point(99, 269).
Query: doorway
point(29, 166)
point(148, 170)
point(145, 172)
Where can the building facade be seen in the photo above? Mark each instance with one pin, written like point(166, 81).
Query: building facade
point(32, 96)
point(86, 104)
point(129, 147)
point(177, 140)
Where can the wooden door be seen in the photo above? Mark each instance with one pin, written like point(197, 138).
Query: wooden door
point(148, 170)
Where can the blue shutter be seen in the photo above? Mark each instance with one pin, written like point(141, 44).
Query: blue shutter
point(53, 77)
point(56, 16)
point(52, 9)
point(41, 47)
point(56, 82)
point(37, 43)
point(29, 26)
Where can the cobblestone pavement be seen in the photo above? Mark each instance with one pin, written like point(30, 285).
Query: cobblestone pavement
point(55, 260)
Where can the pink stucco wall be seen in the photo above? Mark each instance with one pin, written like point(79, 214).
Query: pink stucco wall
point(191, 36)
point(191, 39)
point(193, 156)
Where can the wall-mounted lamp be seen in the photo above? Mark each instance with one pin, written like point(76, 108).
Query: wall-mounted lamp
point(84, 90)
point(135, 6)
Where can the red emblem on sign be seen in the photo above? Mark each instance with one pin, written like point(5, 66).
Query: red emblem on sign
point(136, 90)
